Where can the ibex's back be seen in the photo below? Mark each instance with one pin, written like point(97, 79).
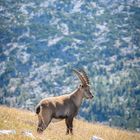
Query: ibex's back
point(63, 107)
point(58, 107)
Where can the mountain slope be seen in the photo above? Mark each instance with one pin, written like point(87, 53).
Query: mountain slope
point(41, 41)
point(21, 120)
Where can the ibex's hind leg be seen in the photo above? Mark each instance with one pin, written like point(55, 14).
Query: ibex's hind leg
point(69, 123)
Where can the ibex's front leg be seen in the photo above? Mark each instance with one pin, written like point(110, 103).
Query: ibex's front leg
point(69, 124)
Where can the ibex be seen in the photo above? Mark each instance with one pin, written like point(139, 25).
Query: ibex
point(65, 106)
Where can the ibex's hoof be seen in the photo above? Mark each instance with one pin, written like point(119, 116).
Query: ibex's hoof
point(67, 133)
point(39, 131)
point(71, 133)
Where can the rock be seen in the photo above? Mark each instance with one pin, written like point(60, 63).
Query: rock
point(25, 133)
point(28, 134)
point(96, 138)
point(7, 132)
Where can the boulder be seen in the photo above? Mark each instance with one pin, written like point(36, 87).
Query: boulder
point(96, 138)
point(7, 132)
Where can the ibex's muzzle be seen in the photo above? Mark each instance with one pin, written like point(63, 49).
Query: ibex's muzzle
point(91, 96)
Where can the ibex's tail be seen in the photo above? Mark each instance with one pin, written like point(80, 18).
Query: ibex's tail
point(37, 109)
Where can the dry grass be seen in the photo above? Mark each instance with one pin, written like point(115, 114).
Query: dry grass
point(21, 120)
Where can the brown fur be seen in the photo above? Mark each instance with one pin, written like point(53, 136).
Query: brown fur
point(61, 107)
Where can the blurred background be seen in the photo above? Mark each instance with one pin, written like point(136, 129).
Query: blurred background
point(42, 40)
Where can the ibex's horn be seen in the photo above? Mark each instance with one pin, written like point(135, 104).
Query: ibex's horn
point(85, 75)
point(80, 76)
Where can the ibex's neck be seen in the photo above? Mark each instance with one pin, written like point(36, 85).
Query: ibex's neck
point(77, 97)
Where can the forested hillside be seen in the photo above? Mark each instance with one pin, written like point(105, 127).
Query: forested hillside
point(42, 40)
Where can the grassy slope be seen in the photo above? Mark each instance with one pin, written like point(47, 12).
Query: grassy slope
point(21, 120)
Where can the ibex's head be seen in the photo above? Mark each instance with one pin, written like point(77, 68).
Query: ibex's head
point(84, 87)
